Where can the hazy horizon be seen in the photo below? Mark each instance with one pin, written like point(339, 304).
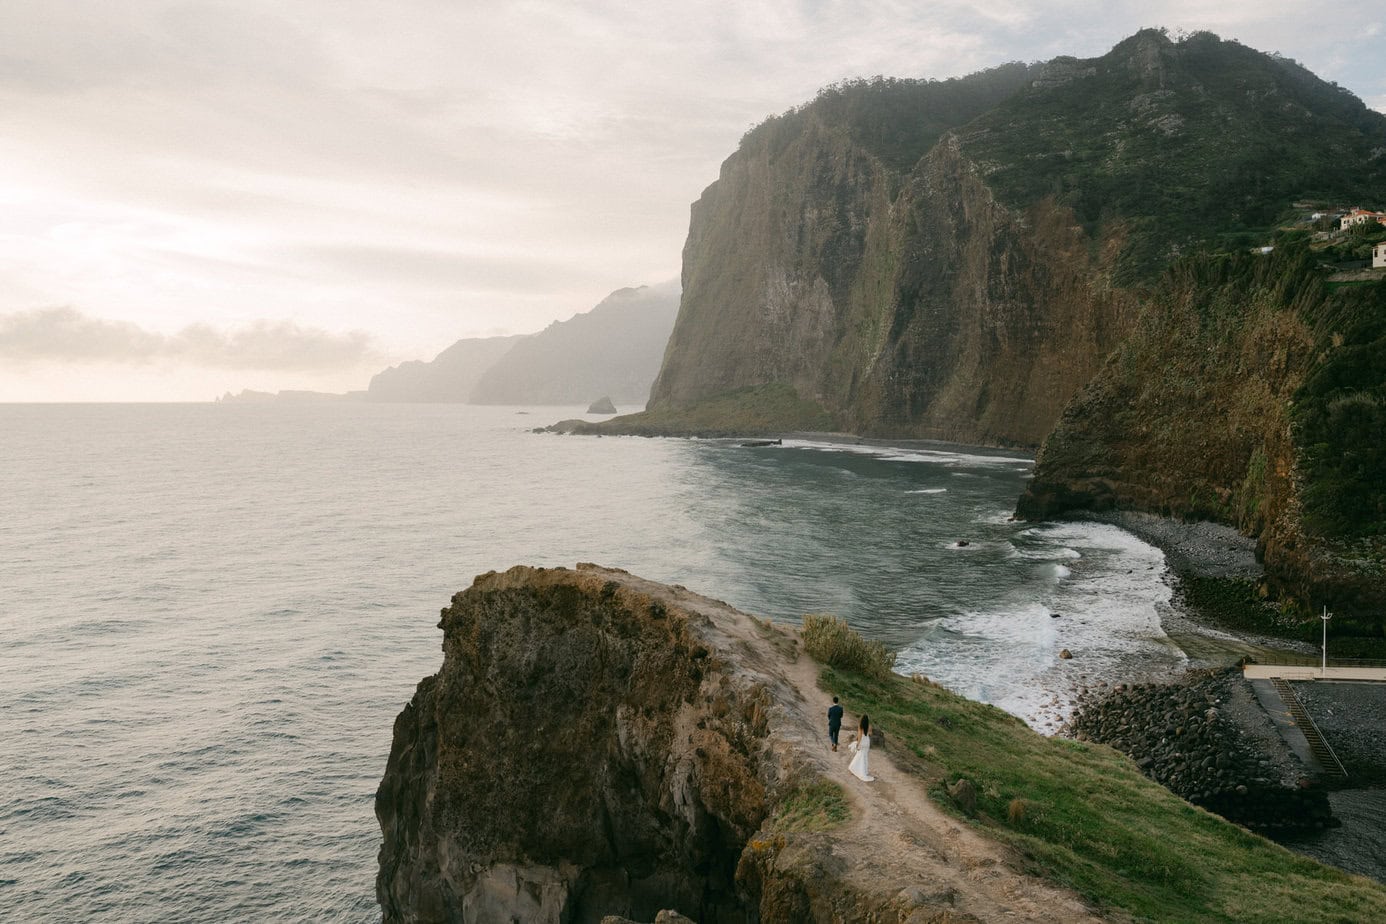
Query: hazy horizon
point(202, 198)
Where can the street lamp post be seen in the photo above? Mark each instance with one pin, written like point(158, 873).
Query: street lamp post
point(1323, 671)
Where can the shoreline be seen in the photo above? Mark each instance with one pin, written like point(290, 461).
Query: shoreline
point(1345, 711)
point(1204, 550)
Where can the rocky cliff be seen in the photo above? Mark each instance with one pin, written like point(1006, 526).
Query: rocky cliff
point(589, 747)
point(957, 259)
point(595, 744)
point(1250, 393)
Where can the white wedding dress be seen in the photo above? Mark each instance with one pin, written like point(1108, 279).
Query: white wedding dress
point(858, 766)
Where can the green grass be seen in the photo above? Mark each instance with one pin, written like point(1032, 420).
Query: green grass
point(1093, 823)
point(829, 640)
point(817, 806)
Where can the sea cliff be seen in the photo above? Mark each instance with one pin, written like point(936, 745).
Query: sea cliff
point(1004, 260)
point(1251, 394)
point(956, 259)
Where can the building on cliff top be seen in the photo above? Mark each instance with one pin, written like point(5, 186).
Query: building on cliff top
point(1357, 216)
point(1379, 256)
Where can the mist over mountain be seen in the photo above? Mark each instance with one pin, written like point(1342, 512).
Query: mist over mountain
point(613, 350)
point(448, 377)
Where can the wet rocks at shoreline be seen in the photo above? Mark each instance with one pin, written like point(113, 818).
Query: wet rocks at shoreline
point(1200, 739)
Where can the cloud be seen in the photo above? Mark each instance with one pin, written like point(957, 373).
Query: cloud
point(66, 335)
point(426, 168)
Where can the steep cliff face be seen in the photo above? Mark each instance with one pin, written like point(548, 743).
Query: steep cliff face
point(566, 762)
point(925, 309)
point(1245, 395)
point(996, 316)
point(957, 263)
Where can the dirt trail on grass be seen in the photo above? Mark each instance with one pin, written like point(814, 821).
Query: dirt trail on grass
point(898, 839)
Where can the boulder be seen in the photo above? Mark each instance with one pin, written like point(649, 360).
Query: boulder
point(964, 795)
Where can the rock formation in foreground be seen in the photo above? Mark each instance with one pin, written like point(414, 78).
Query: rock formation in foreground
point(590, 747)
point(596, 744)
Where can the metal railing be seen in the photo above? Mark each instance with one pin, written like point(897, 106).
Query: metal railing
point(1288, 660)
point(1319, 745)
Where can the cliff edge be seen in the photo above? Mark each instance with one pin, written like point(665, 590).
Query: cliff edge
point(596, 744)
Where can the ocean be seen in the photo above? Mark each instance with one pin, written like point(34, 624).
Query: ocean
point(211, 614)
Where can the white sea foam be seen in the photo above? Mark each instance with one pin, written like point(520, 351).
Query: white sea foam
point(1102, 605)
point(903, 454)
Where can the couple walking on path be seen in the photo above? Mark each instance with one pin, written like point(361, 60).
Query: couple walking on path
point(861, 745)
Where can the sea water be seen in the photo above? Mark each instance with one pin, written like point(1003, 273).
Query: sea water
point(211, 614)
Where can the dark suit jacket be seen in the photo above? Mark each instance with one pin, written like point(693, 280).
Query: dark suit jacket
point(834, 716)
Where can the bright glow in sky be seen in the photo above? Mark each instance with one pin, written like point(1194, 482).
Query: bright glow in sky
point(199, 196)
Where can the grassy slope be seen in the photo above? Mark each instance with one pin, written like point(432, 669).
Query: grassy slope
point(1093, 823)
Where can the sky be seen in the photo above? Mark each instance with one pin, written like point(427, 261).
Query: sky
point(200, 196)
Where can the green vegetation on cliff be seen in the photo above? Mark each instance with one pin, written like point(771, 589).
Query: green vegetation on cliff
point(1250, 393)
point(896, 119)
point(1082, 815)
point(1182, 142)
point(1340, 417)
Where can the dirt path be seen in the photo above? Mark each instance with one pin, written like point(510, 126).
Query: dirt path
point(899, 839)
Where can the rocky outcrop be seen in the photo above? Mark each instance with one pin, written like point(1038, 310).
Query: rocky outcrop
point(599, 746)
point(593, 745)
point(602, 405)
point(1197, 737)
point(584, 750)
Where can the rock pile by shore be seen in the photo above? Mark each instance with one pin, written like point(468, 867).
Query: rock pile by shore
point(1193, 738)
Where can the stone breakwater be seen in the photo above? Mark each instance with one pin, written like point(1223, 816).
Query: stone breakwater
point(1204, 739)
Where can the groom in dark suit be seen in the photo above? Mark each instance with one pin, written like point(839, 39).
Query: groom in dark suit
point(834, 722)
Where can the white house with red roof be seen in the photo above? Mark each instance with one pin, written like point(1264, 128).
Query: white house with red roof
point(1357, 216)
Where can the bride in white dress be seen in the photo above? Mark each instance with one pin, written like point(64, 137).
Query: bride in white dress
point(862, 747)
